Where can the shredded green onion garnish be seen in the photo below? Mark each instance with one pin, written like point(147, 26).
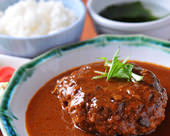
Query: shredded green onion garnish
point(118, 69)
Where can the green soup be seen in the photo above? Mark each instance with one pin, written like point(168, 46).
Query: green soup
point(129, 12)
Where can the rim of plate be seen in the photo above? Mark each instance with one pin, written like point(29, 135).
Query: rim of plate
point(5, 120)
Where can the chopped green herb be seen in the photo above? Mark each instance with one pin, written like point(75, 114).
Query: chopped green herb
point(118, 69)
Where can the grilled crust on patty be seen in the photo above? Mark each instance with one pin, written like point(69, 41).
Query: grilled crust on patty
point(116, 107)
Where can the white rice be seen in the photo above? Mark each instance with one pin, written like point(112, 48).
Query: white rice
point(30, 18)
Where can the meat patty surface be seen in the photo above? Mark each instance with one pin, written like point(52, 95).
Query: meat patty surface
point(115, 107)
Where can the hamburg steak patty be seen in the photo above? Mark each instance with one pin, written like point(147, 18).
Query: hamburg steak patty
point(114, 107)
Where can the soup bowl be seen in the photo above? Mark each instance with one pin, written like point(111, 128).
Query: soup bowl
point(158, 28)
point(31, 76)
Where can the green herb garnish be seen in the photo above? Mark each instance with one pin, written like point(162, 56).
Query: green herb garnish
point(118, 69)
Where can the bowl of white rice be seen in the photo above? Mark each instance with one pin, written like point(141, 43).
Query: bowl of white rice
point(31, 27)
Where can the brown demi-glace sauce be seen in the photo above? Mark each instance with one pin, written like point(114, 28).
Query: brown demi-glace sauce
point(44, 116)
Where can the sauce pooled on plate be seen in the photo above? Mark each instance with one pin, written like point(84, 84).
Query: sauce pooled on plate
point(45, 117)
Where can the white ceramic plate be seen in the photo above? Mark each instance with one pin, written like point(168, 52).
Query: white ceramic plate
point(31, 76)
point(11, 61)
